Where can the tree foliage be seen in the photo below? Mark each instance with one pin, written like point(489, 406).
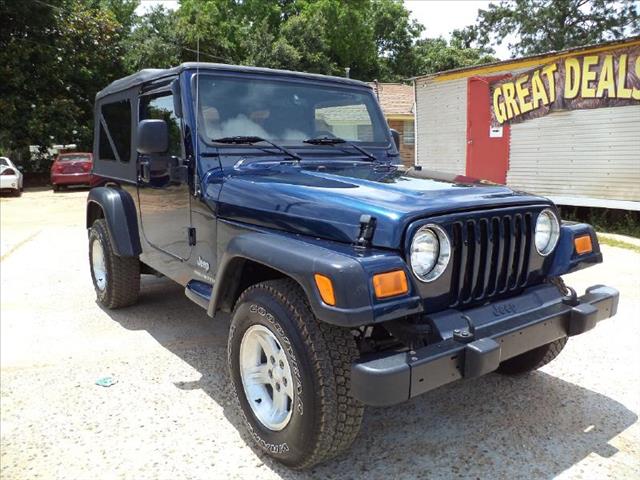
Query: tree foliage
point(154, 42)
point(436, 55)
point(54, 57)
point(56, 54)
point(540, 26)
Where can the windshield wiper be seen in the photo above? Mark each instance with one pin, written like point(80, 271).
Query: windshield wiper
point(250, 140)
point(338, 141)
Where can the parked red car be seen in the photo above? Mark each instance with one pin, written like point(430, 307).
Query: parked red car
point(73, 169)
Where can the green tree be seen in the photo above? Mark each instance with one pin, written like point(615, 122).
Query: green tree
point(436, 55)
point(545, 25)
point(54, 57)
point(154, 41)
point(374, 38)
point(300, 45)
point(213, 25)
point(56, 54)
point(395, 36)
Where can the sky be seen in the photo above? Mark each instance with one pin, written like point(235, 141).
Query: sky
point(440, 17)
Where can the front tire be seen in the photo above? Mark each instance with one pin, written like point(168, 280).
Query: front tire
point(321, 418)
point(533, 359)
point(116, 279)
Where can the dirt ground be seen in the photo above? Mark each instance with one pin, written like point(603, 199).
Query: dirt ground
point(171, 413)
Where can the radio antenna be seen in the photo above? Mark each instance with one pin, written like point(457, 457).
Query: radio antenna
point(197, 133)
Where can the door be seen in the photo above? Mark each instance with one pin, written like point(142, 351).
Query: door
point(487, 148)
point(163, 189)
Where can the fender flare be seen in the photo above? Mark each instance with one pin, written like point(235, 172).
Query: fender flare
point(300, 260)
point(119, 211)
point(565, 259)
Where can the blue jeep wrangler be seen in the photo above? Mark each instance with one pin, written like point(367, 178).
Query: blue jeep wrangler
point(277, 197)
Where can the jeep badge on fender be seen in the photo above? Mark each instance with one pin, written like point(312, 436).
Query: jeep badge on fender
point(276, 196)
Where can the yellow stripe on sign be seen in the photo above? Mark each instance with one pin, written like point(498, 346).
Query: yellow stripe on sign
point(524, 63)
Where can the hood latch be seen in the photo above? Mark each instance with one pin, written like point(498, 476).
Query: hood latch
point(367, 229)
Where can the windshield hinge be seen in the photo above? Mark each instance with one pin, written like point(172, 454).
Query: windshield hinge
point(191, 233)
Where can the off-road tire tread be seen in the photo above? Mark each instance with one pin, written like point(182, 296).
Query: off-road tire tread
point(332, 350)
point(533, 359)
point(123, 273)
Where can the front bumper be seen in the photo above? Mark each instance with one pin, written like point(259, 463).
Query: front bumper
point(9, 182)
point(503, 329)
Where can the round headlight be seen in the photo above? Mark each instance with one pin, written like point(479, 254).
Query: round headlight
point(547, 232)
point(430, 253)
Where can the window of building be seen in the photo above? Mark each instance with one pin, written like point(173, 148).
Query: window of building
point(408, 134)
point(115, 131)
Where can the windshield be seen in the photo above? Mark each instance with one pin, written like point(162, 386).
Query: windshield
point(74, 158)
point(287, 112)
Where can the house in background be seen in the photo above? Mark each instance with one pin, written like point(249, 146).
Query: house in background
point(397, 102)
point(565, 125)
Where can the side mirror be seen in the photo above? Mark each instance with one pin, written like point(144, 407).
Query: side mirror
point(153, 137)
point(20, 168)
point(396, 137)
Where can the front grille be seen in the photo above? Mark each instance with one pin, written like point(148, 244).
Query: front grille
point(490, 256)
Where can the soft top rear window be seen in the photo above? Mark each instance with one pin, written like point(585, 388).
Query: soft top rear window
point(73, 158)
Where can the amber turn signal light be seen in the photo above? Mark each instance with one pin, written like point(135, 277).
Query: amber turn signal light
point(583, 244)
point(325, 287)
point(390, 284)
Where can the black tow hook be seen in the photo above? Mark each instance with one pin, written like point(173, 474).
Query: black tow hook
point(465, 335)
point(571, 298)
point(569, 295)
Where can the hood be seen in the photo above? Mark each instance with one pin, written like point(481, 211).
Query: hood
point(326, 199)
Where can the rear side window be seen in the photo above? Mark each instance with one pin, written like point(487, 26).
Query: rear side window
point(115, 131)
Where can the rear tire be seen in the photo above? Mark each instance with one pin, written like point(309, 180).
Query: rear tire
point(533, 359)
point(116, 279)
point(324, 418)
point(56, 188)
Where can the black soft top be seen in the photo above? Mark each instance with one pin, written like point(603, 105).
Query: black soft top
point(151, 74)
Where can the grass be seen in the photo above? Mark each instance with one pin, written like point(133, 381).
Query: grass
point(622, 222)
point(614, 242)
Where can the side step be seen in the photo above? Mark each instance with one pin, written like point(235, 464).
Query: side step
point(199, 292)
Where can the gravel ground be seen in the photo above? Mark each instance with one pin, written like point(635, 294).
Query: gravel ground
point(171, 415)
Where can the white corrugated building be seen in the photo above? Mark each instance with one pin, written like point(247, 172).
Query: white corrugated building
point(565, 124)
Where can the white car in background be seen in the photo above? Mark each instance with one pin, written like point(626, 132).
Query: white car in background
point(10, 177)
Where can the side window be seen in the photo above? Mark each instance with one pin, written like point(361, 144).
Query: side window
point(408, 135)
point(161, 107)
point(115, 131)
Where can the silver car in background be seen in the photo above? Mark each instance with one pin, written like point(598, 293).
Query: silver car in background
point(11, 178)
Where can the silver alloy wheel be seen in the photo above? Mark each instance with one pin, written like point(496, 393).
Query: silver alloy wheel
point(266, 377)
point(98, 264)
